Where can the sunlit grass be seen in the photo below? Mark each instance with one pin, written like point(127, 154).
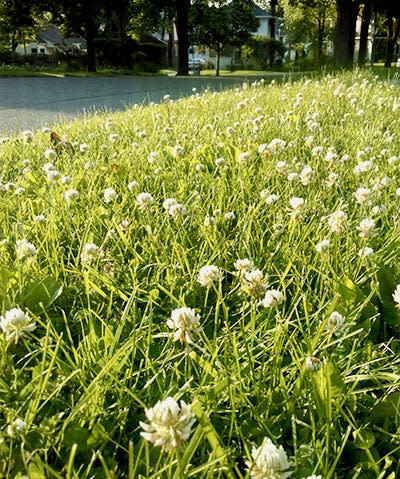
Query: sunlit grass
point(299, 344)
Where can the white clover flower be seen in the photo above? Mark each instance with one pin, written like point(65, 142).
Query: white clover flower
point(293, 176)
point(276, 145)
point(363, 167)
point(113, 137)
point(124, 225)
point(313, 476)
point(25, 249)
point(153, 157)
point(220, 162)
point(396, 296)
point(168, 202)
point(254, 282)
point(53, 176)
point(365, 252)
point(208, 275)
point(313, 363)
point(83, 147)
point(268, 462)
point(367, 228)
point(177, 210)
point(15, 323)
point(49, 154)
point(177, 151)
point(16, 428)
point(170, 425)
point(185, 321)
point(323, 245)
point(71, 195)
point(200, 167)
point(362, 195)
point(133, 185)
point(144, 201)
point(269, 200)
point(332, 180)
point(209, 221)
point(229, 216)
point(317, 151)
point(272, 298)
point(307, 175)
point(66, 180)
point(281, 167)
point(337, 221)
point(336, 323)
point(41, 218)
point(243, 265)
point(90, 252)
point(244, 158)
point(297, 207)
point(110, 195)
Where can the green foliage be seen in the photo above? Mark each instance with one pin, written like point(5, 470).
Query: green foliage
point(260, 49)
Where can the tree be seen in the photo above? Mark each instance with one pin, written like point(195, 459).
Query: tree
point(219, 25)
point(392, 12)
point(309, 21)
point(16, 18)
point(364, 32)
point(345, 28)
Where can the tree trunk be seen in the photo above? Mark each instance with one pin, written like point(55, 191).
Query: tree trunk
point(182, 28)
point(218, 59)
point(90, 33)
point(272, 30)
point(346, 17)
point(365, 22)
point(392, 36)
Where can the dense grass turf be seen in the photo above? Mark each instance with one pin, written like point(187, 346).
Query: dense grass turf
point(205, 288)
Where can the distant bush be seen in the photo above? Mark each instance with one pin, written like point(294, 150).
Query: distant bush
point(261, 49)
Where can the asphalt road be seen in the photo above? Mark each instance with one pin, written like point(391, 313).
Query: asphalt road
point(32, 103)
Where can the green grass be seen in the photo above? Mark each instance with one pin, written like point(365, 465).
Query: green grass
point(102, 352)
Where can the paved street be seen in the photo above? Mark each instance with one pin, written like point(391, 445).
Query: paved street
point(31, 103)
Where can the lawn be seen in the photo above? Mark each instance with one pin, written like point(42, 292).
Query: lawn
point(206, 288)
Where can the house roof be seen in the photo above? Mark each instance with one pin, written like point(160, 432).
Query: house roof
point(49, 34)
point(260, 12)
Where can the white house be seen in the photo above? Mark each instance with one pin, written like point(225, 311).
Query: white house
point(48, 40)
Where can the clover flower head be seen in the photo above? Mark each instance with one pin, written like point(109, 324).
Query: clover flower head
point(168, 202)
point(144, 201)
point(396, 296)
point(269, 200)
point(313, 363)
point(177, 210)
point(307, 175)
point(269, 462)
point(367, 228)
point(90, 252)
point(16, 428)
point(322, 245)
point(133, 185)
point(110, 195)
point(365, 252)
point(15, 323)
point(185, 321)
point(25, 249)
point(336, 323)
point(337, 221)
point(71, 195)
point(362, 195)
point(254, 282)
point(313, 476)
point(272, 298)
point(169, 425)
point(243, 265)
point(208, 275)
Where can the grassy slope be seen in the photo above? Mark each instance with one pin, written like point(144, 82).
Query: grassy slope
point(102, 352)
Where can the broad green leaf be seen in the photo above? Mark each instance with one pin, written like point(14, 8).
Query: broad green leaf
point(363, 439)
point(41, 294)
point(76, 434)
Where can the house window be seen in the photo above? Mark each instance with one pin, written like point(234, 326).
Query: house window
point(42, 50)
point(33, 51)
